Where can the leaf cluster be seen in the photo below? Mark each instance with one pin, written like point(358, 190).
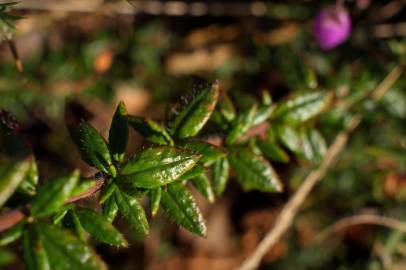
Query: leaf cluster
point(178, 155)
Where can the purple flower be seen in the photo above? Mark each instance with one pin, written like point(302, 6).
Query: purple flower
point(332, 26)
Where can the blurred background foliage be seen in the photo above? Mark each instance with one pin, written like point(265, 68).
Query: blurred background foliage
point(85, 61)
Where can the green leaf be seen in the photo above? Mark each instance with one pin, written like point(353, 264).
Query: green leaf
point(6, 257)
point(310, 77)
point(118, 134)
point(192, 173)
point(107, 191)
point(241, 125)
point(220, 171)
point(53, 194)
point(313, 145)
point(4, 6)
point(132, 211)
point(301, 108)
point(155, 167)
point(151, 130)
point(226, 108)
point(289, 137)
point(243, 100)
point(93, 148)
point(253, 146)
point(11, 176)
point(110, 209)
point(180, 206)
point(99, 227)
point(82, 186)
point(71, 220)
point(265, 110)
point(155, 200)
point(195, 115)
point(209, 152)
point(29, 185)
point(273, 151)
point(253, 171)
point(34, 253)
point(262, 114)
point(266, 98)
point(12, 234)
point(66, 252)
point(58, 217)
point(203, 185)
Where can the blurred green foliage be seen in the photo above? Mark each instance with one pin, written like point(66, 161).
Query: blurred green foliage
point(140, 50)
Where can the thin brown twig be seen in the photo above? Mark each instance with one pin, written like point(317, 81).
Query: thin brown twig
point(91, 191)
point(292, 207)
point(288, 213)
point(12, 217)
point(369, 219)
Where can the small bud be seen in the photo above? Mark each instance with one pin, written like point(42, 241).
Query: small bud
point(332, 26)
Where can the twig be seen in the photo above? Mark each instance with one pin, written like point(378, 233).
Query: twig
point(13, 48)
point(91, 191)
point(292, 207)
point(387, 83)
point(369, 219)
point(285, 218)
point(377, 93)
point(12, 217)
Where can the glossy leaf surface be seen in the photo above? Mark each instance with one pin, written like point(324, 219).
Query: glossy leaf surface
point(155, 196)
point(110, 209)
point(29, 185)
point(11, 176)
point(192, 173)
point(194, 116)
point(220, 173)
point(107, 191)
point(151, 130)
point(272, 151)
point(72, 221)
point(203, 185)
point(209, 152)
point(254, 172)
point(302, 107)
point(118, 133)
point(313, 144)
point(156, 167)
point(132, 211)
point(226, 108)
point(59, 216)
point(180, 207)
point(100, 228)
point(53, 194)
point(82, 186)
point(65, 251)
point(289, 137)
point(241, 125)
point(93, 148)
